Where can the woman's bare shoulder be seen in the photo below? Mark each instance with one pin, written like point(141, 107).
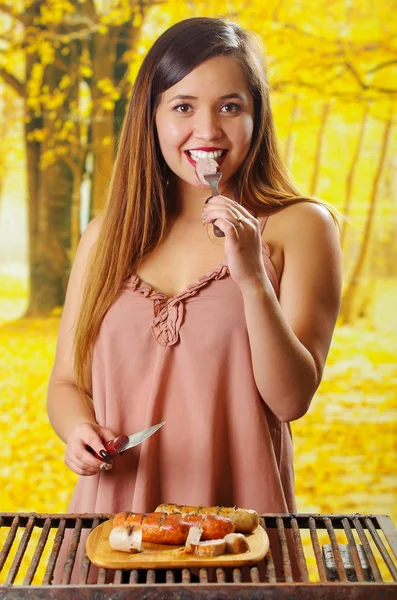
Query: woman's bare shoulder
point(300, 227)
point(298, 215)
point(306, 222)
point(88, 240)
point(93, 228)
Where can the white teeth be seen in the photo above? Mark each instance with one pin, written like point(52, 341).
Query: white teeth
point(201, 154)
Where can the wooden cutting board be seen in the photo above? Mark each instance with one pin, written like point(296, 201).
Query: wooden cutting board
point(165, 556)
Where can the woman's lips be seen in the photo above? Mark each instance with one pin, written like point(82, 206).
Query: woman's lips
point(218, 160)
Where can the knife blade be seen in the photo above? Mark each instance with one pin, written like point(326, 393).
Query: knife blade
point(124, 442)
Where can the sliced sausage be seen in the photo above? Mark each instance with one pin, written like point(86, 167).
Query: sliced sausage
point(244, 520)
point(161, 528)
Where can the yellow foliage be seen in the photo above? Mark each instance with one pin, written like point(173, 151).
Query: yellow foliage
point(65, 82)
point(62, 150)
point(137, 21)
point(38, 135)
point(105, 85)
point(47, 158)
point(119, 14)
point(103, 29)
point(86, 71)
point(54, 11)
point(35, 81)
point(55, 100)
point(46, 52)
point(107, 104)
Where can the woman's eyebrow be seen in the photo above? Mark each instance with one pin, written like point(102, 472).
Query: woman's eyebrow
point(226, 96)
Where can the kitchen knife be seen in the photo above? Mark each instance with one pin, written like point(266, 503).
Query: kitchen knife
point(124, 442)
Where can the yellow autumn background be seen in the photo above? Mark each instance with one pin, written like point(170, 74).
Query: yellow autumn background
point(66, 70)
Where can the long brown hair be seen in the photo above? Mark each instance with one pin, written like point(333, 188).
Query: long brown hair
point(135, 216)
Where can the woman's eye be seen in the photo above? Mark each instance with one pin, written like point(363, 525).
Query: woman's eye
point(182, 108)
point(232, 107)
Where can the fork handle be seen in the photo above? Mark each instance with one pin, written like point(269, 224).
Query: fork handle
point(217, 232)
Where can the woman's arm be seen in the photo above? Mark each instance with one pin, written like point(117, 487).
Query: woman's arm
point(290, 337)
point(70, 413)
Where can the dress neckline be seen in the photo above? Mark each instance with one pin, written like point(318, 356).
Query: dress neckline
point(218, 272)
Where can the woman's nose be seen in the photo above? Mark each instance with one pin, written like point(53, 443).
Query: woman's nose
point(207, 126)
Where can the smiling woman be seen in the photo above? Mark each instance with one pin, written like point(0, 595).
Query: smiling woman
point(224, 342)
point(195, 119)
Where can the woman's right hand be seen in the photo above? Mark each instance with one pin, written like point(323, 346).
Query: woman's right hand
point(77, 457)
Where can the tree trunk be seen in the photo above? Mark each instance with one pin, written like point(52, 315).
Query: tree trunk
point(50, 267)
point(102, 126)
point(351, 174)
point(319, 149)
point(127, 38)
point(347, 312)
point(289, 145)
point(33, 178)
point(107, 52)
point(33, 151)
point(49, 203)
point(77, 164)
point(5, 123)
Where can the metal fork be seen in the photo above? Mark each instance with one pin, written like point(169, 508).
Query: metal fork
point(213, 180)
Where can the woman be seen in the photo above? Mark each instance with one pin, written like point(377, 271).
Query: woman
point(227, 358)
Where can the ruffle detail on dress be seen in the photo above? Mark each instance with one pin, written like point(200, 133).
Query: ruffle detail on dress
point(167, 323)
point(169, 313)
point(135, 284)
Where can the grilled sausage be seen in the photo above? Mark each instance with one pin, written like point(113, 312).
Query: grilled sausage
point(160, 528)
point(244, 520)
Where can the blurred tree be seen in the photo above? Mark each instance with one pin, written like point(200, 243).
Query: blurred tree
point(7, 118)
point(350, 297)
point(76, 57)
point(319, 147)
point(344, 52)
point(289, 143)
point(351, 174)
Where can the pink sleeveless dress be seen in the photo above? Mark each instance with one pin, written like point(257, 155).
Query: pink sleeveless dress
point(186, 360)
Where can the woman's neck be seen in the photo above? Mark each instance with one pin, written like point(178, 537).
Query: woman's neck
point(187, 201)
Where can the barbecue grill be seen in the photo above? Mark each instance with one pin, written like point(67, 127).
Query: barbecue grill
point(340, 557)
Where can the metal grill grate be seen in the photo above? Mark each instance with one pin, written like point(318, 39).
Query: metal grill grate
point(363, 565)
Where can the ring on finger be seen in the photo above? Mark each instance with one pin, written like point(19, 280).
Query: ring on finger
point(105, 466)
point(238, 222)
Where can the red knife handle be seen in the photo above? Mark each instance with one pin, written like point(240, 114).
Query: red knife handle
point(217, 232)
point(112, 447)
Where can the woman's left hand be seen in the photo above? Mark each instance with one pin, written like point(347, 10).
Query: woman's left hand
point(243, 240)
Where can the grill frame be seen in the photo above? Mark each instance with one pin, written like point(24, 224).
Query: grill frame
point(365, 525)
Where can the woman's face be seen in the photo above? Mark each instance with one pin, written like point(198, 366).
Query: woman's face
point(211, 110)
